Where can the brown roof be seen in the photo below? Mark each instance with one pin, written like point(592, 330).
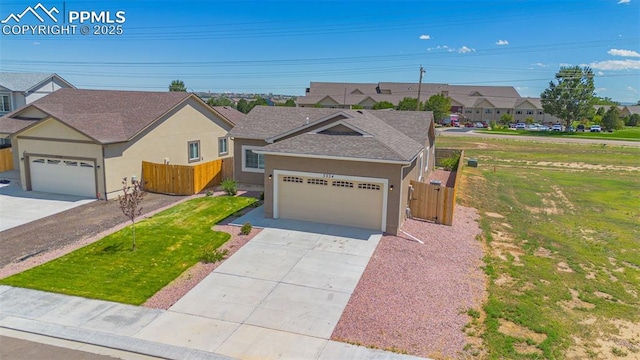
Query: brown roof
point(229, 113)
point(104, 115)
point(388, 135)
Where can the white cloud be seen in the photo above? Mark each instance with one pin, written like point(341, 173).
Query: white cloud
point(425, 37)
point(624, 1)
point(442, 47)
point(616, 65)
point(635, 91)
point(601, 90)
point(565, 65)
point(540, 65)
point(599, 73)
point(502, 42)
point(626, 53)
point(464, 50)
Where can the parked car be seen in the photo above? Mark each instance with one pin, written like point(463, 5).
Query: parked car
point(595, 128)
point(521, 126)
point(479, 125)
point(557, 127)
point(580, 127)
point(512, 126)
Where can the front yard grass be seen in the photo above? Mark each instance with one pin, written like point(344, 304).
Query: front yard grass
point(561, 226)
point(167, 244)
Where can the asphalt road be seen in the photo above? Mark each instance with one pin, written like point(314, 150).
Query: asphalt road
point(19, 349)
point(562, 140)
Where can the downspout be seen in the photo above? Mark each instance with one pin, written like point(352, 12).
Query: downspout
point(407, 209)
point(104, 173)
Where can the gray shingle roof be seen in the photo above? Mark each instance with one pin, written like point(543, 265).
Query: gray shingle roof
point(390, 135)
point(22, 81)
point(104, 115)
point(230, 113)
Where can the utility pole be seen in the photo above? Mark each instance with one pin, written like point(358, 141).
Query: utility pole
point(419, 88)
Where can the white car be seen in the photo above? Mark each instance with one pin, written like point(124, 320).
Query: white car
point(479, 125)
point(521, 126)
point(595, 128)
point(556, 127)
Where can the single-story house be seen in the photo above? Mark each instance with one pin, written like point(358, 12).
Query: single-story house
point(347, 167)
point(83, 142)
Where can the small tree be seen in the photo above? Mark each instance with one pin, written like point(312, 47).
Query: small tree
point(408, 104)
point(528, 120)
point(243, 106)
point(130, 203)
point(633, 120)
point(221, 101)
point(177, 85)
point(383, 105)
point(571, 96)
point(611, 119)
point(440, 105)
point(506, 119)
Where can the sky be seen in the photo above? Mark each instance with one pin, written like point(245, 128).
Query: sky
point(281, 46)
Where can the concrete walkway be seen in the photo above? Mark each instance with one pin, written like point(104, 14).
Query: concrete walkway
point(279, 297)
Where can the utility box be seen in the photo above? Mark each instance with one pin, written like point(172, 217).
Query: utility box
point(472, 163)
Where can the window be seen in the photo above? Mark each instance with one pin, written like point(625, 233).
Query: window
point(529, 112)
point(251, 161)
point(518, 112)
point(5, 103)
point(468, 111)
point(223, 147)
point(540, 112)
point(369, 186)
point(488, 111)
point(346, 184)
point(293, 179)
point(497, 111)
point(317, 181)
point(194, 151)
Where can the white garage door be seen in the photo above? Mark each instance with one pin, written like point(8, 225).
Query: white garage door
point(63, 176)
point(341, 200)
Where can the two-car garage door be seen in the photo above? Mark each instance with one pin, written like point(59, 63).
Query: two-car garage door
point(63, 176)
point(342, 200)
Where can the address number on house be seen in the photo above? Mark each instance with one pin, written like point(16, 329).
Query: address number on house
point(330, 176)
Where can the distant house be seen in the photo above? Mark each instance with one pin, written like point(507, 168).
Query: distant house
point(472, 103)
point(346, 167)
point(83, 142)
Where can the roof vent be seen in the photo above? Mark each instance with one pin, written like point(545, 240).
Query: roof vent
point(360, 111)
point(307, 119)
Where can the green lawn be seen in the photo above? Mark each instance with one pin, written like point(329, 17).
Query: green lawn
point(564, 260)
point(167, 244)
point(628, 133)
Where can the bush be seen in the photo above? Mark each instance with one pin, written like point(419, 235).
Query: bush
point(230, 187)
point(451, 162)
point(246, 228)
point(209, 193)
point(212, 255)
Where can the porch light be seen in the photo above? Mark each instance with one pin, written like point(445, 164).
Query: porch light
point(391, 188)
point(270, 176)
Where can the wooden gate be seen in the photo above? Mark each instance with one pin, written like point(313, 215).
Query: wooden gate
point(6, 159)
point(432, 202)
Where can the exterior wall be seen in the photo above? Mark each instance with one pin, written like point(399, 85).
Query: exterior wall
point(391, 172)
point(166, 141)
point(367, 103)
point(245, 177)
point(57, 140)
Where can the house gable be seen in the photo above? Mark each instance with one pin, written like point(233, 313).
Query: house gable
point(526, 105)
point(356, 92)
point(339, 129)
point(309, 127)
point(50, 128)
point(367, 103)
point(328, 101)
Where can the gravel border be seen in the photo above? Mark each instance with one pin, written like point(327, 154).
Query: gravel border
point(413, 298)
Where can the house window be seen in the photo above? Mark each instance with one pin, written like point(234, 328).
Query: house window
point(5, 103)
point(488, 111)
point(518, 112)
point(317, 182)
point(346, 184)
point(251, 161)
point(477, 111)
point(529, 112)
point(293, 179)
point(497, 111)
point(223, 146)
point(369, 186)
point(194, 150)
point(468, 111)
point(540, 112)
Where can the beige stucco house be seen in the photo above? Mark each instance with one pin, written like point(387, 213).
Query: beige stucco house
point(334, 166)
point(84, 142)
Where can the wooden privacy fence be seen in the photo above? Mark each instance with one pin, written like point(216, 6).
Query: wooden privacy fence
point(184, 179)
point(6, 159)
point(436, 202)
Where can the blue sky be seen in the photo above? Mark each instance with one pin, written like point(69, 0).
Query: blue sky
point(281, 46)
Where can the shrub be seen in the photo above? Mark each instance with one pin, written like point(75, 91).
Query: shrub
point(451, 162)
point(230, 187)
point(212, 255)
point(209, 193)
point(246, 228)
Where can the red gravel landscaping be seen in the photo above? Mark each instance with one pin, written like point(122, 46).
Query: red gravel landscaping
point(413, 298)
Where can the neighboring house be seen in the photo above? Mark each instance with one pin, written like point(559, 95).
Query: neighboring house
point(347, 167)
point(83, 142)
point(472, 103)
point(20, 89)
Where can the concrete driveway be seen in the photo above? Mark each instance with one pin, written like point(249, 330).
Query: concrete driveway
point(19, 207)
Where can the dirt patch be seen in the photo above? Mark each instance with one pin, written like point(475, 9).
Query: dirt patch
point(514, 330)
point(504, 279)
point(624, 345)
point(603, 295)
point(543, 252)
point(494, 215)
point(575, 302)
point(564, 267)
point(583, 166)
point(524, 348)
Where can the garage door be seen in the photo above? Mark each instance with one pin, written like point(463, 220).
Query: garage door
point(346, 201)
point(63, 176)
